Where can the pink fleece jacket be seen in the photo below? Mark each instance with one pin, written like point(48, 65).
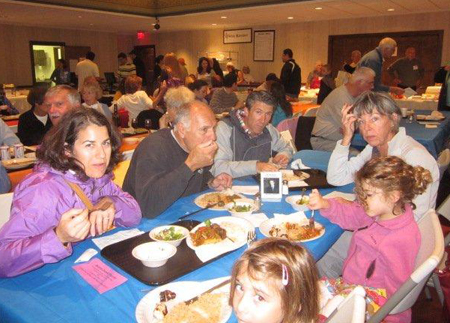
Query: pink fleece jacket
point(393, 244)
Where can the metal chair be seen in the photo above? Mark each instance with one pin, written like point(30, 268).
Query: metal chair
point(352, 309)
point(430, 254)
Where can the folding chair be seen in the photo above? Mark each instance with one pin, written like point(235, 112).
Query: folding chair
point(443, 161)
point(430, 254)
point(311, 112)
point(352, 309)
point(5, 207)
point(303, 134)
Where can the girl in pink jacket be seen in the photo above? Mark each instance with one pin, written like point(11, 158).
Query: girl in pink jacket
point(386, 238)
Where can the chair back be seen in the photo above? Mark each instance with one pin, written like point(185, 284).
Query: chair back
point(152, 114)
point(5, 207)
point(444, 208)
point(288, 124)
point(311, 112)
point(352, 309)
point(443, 161)
point(305, 126)
point(430, 254)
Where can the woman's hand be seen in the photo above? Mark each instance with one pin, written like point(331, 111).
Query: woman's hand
point(73, 226)
point(102, 217)
point(348, 124)
point(316, 201)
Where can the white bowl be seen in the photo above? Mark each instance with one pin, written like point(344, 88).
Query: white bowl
point(177, 228)
point(292, 200)
point(154, 254)
point(242, 202)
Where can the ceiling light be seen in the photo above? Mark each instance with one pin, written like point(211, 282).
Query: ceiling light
point(290, 18)
point(391, 9)
point(80, 17)
point(214, 24)
point(224, 17)
point(91, 24)
point(153, 24)
point(318, 8)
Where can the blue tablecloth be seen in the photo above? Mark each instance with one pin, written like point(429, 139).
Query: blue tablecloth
point(56, 293)
point(433, 139)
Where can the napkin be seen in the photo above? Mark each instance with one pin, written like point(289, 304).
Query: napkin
point(293, 217)
point(116, 237)
point(87, 255)
point(247, 190)
point(297, 164)
point(255, 218)
point(207, 252)
point(347, 196)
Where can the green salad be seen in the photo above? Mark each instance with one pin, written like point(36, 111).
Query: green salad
point(303, 201)
point(169, 234)
point(241, 208)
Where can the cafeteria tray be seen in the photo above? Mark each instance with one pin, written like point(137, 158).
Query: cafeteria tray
point(317, 179)
point(182, 263)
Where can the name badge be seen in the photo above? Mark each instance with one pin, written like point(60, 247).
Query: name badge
point(415, 67)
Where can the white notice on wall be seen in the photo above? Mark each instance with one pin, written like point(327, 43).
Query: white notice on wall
point(264, 45)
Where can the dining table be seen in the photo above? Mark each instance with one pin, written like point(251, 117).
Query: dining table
point(56, 293)
point(433, 138)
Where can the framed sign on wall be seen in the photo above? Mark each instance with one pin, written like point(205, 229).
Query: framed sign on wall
point(236, 36)
point(264, 45)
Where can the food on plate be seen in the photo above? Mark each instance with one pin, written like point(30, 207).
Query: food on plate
point(160, 311)
point(169, 234)
point(241, 208)
point(303, 201)
point(217, 197)
point(166, 295)
point(208, 234)
point(207, 309)
point(295, 231)
point(294, 176)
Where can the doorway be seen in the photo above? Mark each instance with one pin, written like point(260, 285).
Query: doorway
point(44, 58)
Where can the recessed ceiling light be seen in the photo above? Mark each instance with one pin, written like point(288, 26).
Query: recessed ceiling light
point(391, 9)
point(318, 8)
point(91, 24)
point(80, 17)
point(214, 24)
point(223, 17)
point(290, 18)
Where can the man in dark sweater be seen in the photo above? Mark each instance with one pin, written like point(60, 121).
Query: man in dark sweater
point(170, 164)
point(291, 74)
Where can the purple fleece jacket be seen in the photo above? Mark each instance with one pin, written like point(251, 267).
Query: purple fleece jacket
point(28, 241)
point(393, 244)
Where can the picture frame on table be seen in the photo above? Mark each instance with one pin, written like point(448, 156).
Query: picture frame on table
point(271, 186)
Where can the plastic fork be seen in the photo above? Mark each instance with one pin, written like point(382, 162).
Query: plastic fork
point(311, 220)
point(251, 237)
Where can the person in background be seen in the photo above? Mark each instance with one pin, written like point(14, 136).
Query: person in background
point(200, 89)
point(314, 77)
point(86, 68)
point(184, 70)
point(265, 86)
point(246, 74)
point(291, 74)
point(386, 237)
point(204, 71)
point(61, 99)
point(61, 74)
point(443, 77)
point(173, 163)
point(247, 141)
point(159, 64)
point(326, 83)
point(140, 66)
point(47, 216)
point(328, 125)
point(275, 281)
point(217, 80)
point(407, 71)
point(233, 70)
point(134, 100)
point(7, 136)
point(6, 107)
point(355, 58)
point(175, 98)
point(374, 60)
point(225, 98)
point(35, 123)
point(125, 67)
point(378, 119)
point(91, 92)
point(284, 108)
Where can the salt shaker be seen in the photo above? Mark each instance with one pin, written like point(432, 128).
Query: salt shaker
point(258, 201)
point(285, 187)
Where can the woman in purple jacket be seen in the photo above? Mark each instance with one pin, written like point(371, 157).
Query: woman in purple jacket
point(47, 215)
point(386, 237)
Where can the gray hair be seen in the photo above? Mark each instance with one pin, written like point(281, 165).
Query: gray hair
point(388, 43)
point(260, 96)
point(183, 113)
point(370, 102)
point(176, 97)
point(361, 73)
point(73, 96)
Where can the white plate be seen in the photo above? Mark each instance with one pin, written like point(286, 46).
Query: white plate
point(18, 163)
point(199, 203)
point(291, 176)
point(267, 225)
point(185, 291)
point(239, 236)
point(292, 200)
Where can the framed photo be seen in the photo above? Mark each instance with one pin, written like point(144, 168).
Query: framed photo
point(271, 186)
point(264, 45)
point(236, 36)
